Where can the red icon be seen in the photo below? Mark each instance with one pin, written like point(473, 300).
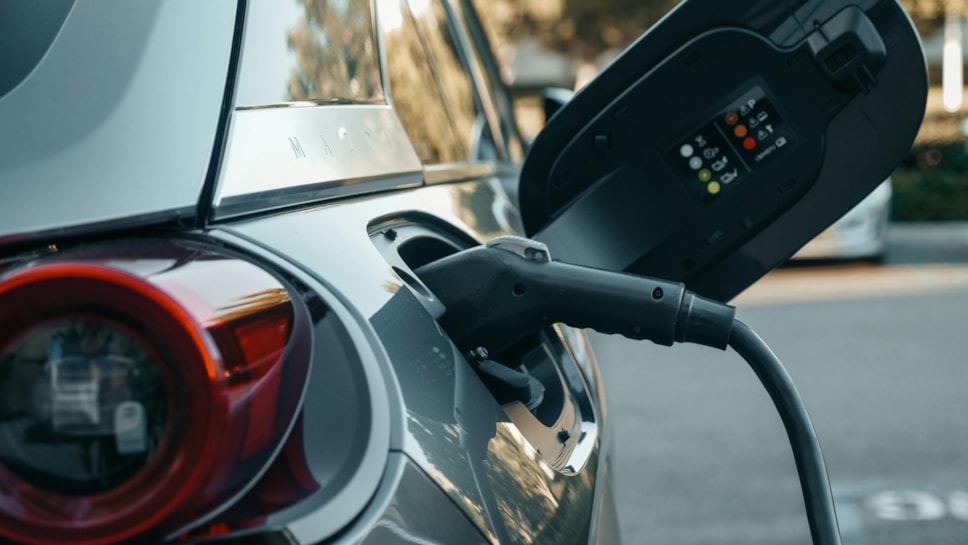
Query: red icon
point(740, 131)
point(732, 118)
point(749, 143)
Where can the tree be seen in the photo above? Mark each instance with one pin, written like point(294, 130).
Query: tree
point(583, 29)
point(333, 46)
point(586, 28)
point(929, 15)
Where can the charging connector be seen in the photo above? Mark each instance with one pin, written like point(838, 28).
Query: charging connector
point(498, 294)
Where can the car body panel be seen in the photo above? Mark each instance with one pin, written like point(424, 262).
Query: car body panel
point(119, 143)
point(281, 156)
point(455, 432)
point(400, 440)
point(418, 513)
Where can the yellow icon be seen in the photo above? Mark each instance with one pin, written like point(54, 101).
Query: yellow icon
point(713, 188)
point(705, 175)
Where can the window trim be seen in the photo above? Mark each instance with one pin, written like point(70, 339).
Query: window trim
point(283, 157)
point(473, 63)
point(441, 173)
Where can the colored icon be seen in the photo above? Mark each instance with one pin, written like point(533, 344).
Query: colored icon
point(740, 131)
point(705, 175)
point(749, 143)
point(686, 150)
point(713, 188)
point(732, 118)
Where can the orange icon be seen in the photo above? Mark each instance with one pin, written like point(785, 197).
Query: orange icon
point(732, 118)
point(740, 131)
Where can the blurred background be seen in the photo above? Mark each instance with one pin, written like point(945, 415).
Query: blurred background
point(871, 320)
point(564, 43)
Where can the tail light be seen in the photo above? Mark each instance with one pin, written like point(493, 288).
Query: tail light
point(141, 387)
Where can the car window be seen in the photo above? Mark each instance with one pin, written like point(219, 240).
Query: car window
point(492, 75)
point(415, 91)
point(452, 70)
point(309, 52)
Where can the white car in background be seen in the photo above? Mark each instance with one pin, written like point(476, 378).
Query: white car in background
point(860, 234)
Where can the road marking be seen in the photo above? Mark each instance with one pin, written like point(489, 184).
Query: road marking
point(864, 509)
point(958, 505)
point(906, 506)
point(851, 282)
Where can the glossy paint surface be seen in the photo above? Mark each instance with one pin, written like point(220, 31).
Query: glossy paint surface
point(282, 156)
point(118, 120)
point(454, 430)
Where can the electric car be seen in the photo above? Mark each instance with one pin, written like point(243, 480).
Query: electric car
point(239, 301)
point(212, 328)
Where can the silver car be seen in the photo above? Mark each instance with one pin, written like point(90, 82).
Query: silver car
point(226, 312)
point(211, 328)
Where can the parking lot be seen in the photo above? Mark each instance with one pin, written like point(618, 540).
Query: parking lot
point(879, 356)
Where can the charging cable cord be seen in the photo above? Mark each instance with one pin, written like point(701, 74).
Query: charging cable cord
point(817, 496)
point(495, 295)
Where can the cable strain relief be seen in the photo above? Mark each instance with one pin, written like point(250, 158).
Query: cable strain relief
point(704, 321)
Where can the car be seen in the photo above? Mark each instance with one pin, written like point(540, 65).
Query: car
point(861, 234)
point(213, 331)
point(279, 272)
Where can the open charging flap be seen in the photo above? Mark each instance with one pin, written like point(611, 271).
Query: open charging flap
point(726, 137)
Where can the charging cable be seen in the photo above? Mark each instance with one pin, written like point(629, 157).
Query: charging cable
point(497, 294)
point(817, 496)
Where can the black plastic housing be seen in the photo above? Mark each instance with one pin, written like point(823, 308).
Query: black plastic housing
point(647, 169)
point(494, 298)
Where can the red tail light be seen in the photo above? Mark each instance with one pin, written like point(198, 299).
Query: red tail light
point(141, 387)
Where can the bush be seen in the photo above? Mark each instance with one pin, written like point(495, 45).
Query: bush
point(932, 185)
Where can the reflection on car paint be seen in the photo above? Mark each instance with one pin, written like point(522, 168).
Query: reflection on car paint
point(309, 52)
point(463, 439)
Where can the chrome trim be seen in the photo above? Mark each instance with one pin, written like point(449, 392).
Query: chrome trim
point(285, 156)
point(456, 172)
point(472, 58)
point(311, 103)
point(381, 47)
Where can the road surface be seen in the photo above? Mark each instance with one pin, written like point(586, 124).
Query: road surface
point(880, 355)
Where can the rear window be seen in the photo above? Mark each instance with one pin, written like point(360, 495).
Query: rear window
point(309, 52)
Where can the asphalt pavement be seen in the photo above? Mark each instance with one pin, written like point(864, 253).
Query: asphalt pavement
point(702, 458)
point(940, 242)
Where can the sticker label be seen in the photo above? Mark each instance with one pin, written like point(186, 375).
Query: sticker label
point(719, 156)
point(130, 433)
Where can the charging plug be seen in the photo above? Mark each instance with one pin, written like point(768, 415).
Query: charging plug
point(497, 294)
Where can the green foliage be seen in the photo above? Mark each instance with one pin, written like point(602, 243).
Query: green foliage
point(580, 28)
point(928, 15)
point(933, 186)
